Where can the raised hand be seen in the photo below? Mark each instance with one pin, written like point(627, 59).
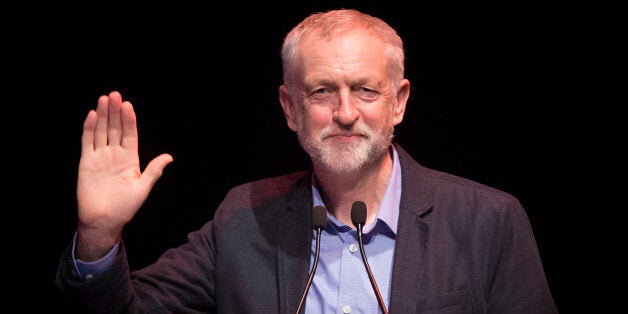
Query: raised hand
point(111, 186)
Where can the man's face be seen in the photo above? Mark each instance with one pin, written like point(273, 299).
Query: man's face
point(345, 111)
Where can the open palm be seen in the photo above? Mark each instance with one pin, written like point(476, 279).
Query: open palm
point(111, 186)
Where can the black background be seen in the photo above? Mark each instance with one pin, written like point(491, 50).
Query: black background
point(204, 79)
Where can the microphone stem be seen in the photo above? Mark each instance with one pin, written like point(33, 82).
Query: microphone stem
point(309, 280)
point(368, 270)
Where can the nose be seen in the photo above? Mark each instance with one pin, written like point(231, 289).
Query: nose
point(346, 113)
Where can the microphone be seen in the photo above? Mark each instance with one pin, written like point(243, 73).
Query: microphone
point(319, 220)
point(358, 218)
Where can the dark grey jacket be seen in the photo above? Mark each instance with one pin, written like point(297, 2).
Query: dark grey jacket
point(462, 247)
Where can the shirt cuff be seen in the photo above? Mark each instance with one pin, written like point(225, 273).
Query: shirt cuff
point(89, 270)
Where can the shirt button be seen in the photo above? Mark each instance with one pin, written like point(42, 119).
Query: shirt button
point(346, 309)
point(352, 248)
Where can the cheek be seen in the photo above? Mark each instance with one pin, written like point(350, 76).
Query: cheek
point(317, 116)
point(377, 117)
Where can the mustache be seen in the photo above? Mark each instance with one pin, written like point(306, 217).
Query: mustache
point(356, 130)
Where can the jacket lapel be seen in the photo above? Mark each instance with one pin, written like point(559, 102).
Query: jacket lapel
point(409, 262)
point(294, 231)
point(412, 237)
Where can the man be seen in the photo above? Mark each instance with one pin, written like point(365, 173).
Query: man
point(435, 242)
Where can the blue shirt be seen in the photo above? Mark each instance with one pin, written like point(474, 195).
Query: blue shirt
point(341, 283)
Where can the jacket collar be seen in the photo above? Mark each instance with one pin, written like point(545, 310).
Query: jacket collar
point(294, 236)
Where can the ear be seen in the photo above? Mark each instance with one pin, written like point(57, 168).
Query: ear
point(403, 94)
point(288, 104)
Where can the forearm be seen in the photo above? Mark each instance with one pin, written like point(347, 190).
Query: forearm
point(93, 243)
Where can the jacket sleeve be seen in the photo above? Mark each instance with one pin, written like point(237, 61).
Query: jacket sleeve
point(181, 280)
point(519, 284)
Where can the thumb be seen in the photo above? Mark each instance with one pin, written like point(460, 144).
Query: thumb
point(155, 169)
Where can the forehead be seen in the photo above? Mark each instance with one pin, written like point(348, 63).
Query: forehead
point(353, 52)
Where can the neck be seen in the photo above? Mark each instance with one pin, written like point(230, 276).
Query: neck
point(368, 184)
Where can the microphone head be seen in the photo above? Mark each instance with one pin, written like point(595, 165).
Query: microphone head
point(358, 213)
point(319, 216)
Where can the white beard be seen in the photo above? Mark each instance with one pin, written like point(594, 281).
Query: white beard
point(345, 158)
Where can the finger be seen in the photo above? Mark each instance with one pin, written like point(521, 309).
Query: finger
point(155, 169)
point(100, 131)
point(129, 126)
point(87, 140)
point(114, 130)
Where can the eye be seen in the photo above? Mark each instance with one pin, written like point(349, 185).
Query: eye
point(321, 93)
point(367, 93)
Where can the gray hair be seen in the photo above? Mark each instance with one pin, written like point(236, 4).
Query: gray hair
point(330, 23)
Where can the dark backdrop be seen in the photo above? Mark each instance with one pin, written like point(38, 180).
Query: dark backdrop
point(204, 84)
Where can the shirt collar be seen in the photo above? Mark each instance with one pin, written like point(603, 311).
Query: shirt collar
point(388, 209)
